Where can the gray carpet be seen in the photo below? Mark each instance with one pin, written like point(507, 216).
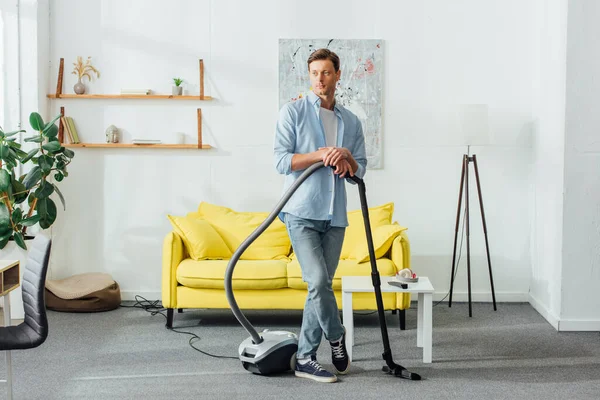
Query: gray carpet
point(128, 354)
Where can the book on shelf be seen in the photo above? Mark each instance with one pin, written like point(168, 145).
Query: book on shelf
point(146, 141)
point(69, 129)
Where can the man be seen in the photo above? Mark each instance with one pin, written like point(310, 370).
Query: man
point(309, 130)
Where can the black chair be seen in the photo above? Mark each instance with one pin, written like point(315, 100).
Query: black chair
point(33, 331)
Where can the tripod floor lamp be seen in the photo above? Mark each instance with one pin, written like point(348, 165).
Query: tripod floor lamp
point(474, 127)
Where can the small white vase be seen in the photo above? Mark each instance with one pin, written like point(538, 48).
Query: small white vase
point(177, 90)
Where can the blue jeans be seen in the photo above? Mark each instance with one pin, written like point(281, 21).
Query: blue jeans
point(317, 246)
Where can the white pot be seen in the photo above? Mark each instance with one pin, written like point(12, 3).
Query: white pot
point(13, 252)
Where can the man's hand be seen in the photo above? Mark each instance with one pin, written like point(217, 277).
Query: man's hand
point(333, 155)
point(343, 167)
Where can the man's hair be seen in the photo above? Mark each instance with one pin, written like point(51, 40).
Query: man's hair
point(325, 54)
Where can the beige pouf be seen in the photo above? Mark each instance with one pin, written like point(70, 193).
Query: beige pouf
point(89, 292)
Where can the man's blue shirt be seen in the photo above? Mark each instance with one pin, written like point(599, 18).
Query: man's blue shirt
point(299, 131)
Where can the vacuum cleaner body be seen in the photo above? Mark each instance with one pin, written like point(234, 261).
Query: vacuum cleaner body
point(275, 354)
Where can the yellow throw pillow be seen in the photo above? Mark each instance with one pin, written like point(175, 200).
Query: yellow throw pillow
point(202, 241)
point(234, 227)
point(383, 236)
point(355, 232)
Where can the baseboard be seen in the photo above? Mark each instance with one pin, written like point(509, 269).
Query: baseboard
point(482, 297)
point(579, 325)
point(544, 312)
point(129, 295)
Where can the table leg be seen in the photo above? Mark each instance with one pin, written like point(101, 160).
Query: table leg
point(348, 320)
point(420, 307)
point(427, 327)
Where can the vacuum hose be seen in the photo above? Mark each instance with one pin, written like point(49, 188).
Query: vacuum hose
point(256, 338)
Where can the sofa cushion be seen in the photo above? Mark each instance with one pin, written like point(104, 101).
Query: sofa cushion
point(201, 240)
point(248, 274)
point(234, 227)
point(345, 268)
point(383, 236)
point(355, 232)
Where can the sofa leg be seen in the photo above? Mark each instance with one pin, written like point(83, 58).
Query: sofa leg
point(180, 310)
point(402, 315)
point(169, 323)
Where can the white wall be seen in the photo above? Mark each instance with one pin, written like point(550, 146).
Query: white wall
point(438, 54)
point(580, 308)
point(548, 159)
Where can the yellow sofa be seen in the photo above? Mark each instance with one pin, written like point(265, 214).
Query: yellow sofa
point(268, 276)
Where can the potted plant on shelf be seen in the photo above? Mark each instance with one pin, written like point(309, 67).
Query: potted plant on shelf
point(81, 70)
point(26, 199)
point(177, 89)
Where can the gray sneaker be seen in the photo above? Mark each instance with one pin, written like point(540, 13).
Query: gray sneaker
point(313, 370)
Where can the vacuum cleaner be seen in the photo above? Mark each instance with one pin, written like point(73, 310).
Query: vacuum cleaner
point(273, 352)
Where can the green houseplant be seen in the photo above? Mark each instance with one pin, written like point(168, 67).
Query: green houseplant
point(177, 89)
point(26, 199)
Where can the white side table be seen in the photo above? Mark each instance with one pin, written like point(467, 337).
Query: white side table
point(424, 290)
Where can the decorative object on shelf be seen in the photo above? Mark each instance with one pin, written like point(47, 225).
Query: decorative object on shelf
point(112, 134)
point(179, 137)
point(82, 70)
point(136, 91)
point(177, 89)
point(21, 197)
point(146, 141)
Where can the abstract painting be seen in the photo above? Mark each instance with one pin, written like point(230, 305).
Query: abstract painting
point(359, 87)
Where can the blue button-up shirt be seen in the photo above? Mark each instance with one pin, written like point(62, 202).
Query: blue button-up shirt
point(300, 131)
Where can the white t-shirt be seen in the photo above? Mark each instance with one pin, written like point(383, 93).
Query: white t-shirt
point(330, 124)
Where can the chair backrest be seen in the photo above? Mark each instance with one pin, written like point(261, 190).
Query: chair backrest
point(33, 287)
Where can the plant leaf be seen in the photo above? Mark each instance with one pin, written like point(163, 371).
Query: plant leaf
point(52, 122)
point(60, 196)
point(45, 162)
point(4, 180)
point(69, 153)
point(36, 121)
point(19, 191)
point(3, 151)
point(5, 238)
point(51, 146)
point(34, 219)
point(51, 131)
point(4, 219)
point(47, 211)
point(9, 134)
point(33, 177)
point(35, 139)
point(44, 190)
point(17, 215)
point(20, 241)
point(29, 155)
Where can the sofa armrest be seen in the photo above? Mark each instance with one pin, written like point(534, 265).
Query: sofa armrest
point(173, 253)
point(400, 251)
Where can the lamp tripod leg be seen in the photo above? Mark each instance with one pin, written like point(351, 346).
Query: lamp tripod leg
point(460, 196)
point(468, 234)
point(487, 247)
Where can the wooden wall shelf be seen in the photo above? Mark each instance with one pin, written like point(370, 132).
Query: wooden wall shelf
point(61, 129)
point(139, 146)
point(126, 96)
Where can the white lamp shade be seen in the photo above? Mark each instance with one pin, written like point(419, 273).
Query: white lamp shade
point(473, 124)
